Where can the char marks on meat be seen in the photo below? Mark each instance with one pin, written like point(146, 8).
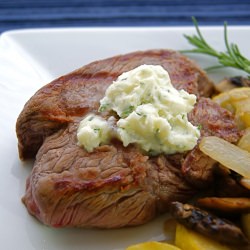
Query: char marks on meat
point(113, 186)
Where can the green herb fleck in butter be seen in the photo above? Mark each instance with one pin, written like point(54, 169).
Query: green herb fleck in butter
point(153, 114)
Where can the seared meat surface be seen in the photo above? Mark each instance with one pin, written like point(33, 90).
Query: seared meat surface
point(113, 186)
point(197, 167)
point(74, 95)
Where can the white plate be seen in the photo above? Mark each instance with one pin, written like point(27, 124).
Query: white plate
point(31, 58)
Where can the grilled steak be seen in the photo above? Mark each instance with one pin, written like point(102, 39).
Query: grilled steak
point(112, 186)
point(197, 167)
point(79, 92)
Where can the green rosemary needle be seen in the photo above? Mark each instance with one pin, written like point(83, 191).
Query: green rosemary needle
point(232, 57)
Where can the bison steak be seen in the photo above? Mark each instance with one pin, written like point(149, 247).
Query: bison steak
point(113, 186)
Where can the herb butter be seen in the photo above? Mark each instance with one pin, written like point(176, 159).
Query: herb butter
point(152, 113)
point(93, 131)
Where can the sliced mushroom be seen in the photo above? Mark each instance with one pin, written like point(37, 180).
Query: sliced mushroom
point(207, 224)
point(240, 81)
point(228, 205)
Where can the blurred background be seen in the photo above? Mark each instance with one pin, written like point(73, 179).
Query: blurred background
point(19, 14)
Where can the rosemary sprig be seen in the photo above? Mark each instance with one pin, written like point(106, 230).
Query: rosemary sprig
point(232, 57)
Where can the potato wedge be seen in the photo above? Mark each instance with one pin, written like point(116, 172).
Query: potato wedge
point(153, 245)
point(232, 96)
point(242, 112)
point(227, 154)
point(237, 101)
point(229, 205)
point(244, 141)
point(187, 239)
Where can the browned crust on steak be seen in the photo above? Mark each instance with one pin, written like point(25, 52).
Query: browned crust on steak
point(110, 188)
point(114, 186)
point(197, 167)
point(75, 94)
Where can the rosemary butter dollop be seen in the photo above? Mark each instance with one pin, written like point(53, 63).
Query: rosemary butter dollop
point(93, 131)
point(152, 113)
